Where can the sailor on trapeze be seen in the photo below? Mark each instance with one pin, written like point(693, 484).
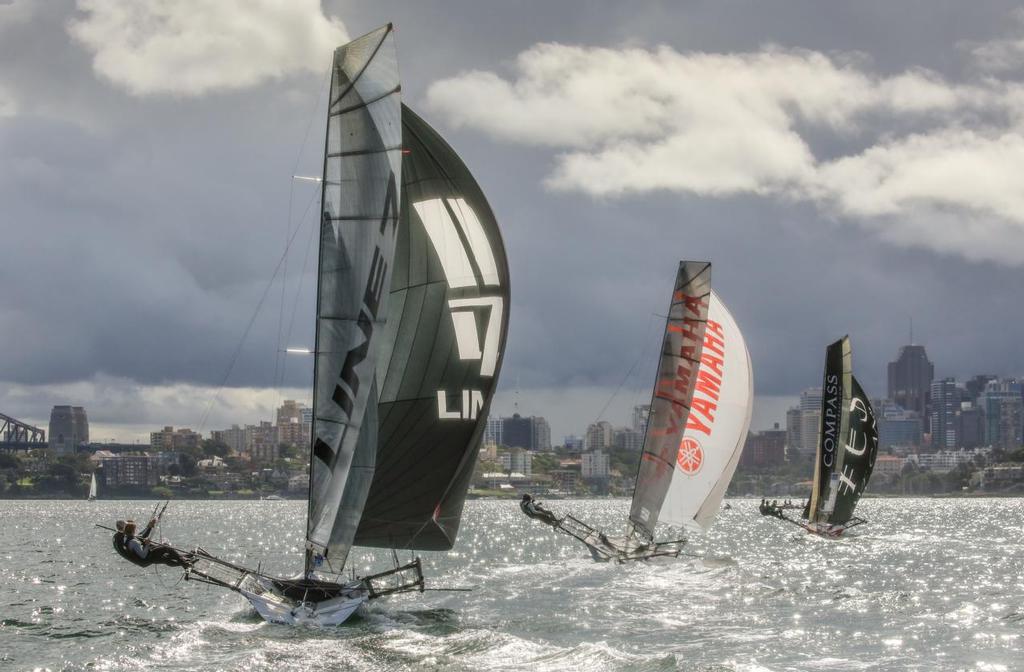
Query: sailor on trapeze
point(140, 550)
point(533, 509)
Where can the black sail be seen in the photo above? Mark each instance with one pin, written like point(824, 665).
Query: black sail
point(673, 392)
point(835, 402)
point(360, 197)
point(857, 455)
point(444, 341)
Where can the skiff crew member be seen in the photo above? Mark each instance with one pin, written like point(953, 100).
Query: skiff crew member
point(140, 550)
point(533, 509)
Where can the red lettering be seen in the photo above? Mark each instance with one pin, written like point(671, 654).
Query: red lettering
point(694, 423)
point(705, 407)
point(712, 362)
point(708, 384)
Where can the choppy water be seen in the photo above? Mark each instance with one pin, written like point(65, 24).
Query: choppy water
point(928, 585)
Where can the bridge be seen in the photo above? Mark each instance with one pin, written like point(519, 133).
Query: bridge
point(18, 435)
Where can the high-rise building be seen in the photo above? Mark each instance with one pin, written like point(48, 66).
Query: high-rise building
point(897, 427)
point(599, 436)
point(291, 430)
point(910, 380)
point(69, 428)
point(261, 442)
point(541, 434)
point(765, 448)
point(517, 461)
point(641, 414)
point(793, 430)
point(169, 438)
point(810, 418)
point(532, 433)
point(130, 470)
point(517, 432)
point(594, 465)
point(977, 384)
point(1003, 406)
point(492, 432)
point(946, 396)
point(626, 438)
point(970, 425)
point(233, 438)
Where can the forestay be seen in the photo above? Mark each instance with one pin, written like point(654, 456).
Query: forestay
point(716, 428)
point(361, 202)
point(673, 393)
point(443, 346)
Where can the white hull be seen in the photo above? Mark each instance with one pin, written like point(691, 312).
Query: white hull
point(275, 608)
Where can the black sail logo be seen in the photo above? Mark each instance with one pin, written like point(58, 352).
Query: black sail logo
point(347, 388)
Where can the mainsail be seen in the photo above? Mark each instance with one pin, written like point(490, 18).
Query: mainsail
point(442, 348)
point(361, 201)
point(673, 393)
point(835, 404)
point(716, 428)
point(92, 487)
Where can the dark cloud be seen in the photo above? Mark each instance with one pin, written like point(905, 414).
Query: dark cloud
point(139, 233)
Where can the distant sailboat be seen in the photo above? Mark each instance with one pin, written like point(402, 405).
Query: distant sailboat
point(412, 317)
point(92, 489)
point(846, 450)
point(700, 412)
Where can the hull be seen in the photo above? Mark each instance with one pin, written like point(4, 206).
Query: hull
point(275, 607)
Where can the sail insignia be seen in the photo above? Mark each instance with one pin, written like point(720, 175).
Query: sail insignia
point(671, 399)
point(441, 350)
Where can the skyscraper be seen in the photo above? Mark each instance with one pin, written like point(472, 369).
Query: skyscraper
point(810, 418)
point(910, 380)
point(946, 396)
point(69, 428)
point(1003, 407)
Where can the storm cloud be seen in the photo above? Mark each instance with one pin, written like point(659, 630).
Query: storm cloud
point(844, 168)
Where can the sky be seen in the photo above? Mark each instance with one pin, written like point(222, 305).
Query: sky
point(847, 168)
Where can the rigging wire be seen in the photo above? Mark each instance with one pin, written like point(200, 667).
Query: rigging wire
point(280, 357)
point(643, 352)
point(245, 334)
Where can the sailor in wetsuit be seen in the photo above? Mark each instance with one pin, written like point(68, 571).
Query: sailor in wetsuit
point(138, 549)
point(533, 509)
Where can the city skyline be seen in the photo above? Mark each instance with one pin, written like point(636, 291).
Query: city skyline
point(896, 155)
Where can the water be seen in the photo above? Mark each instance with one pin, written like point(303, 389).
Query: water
point(930, 584)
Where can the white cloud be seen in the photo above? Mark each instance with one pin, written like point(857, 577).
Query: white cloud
point(927, 152)
point(191, 47)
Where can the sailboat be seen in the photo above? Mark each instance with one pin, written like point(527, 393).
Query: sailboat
point(412, 318)
point(700, 413)
point(846, 450)
point(92, 489)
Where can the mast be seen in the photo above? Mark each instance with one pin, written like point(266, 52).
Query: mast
point(360, 201)
point(442, 348)
point(673, 393)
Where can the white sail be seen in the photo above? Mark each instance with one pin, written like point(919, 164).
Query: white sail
point(716, 427)
point(92, 488)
